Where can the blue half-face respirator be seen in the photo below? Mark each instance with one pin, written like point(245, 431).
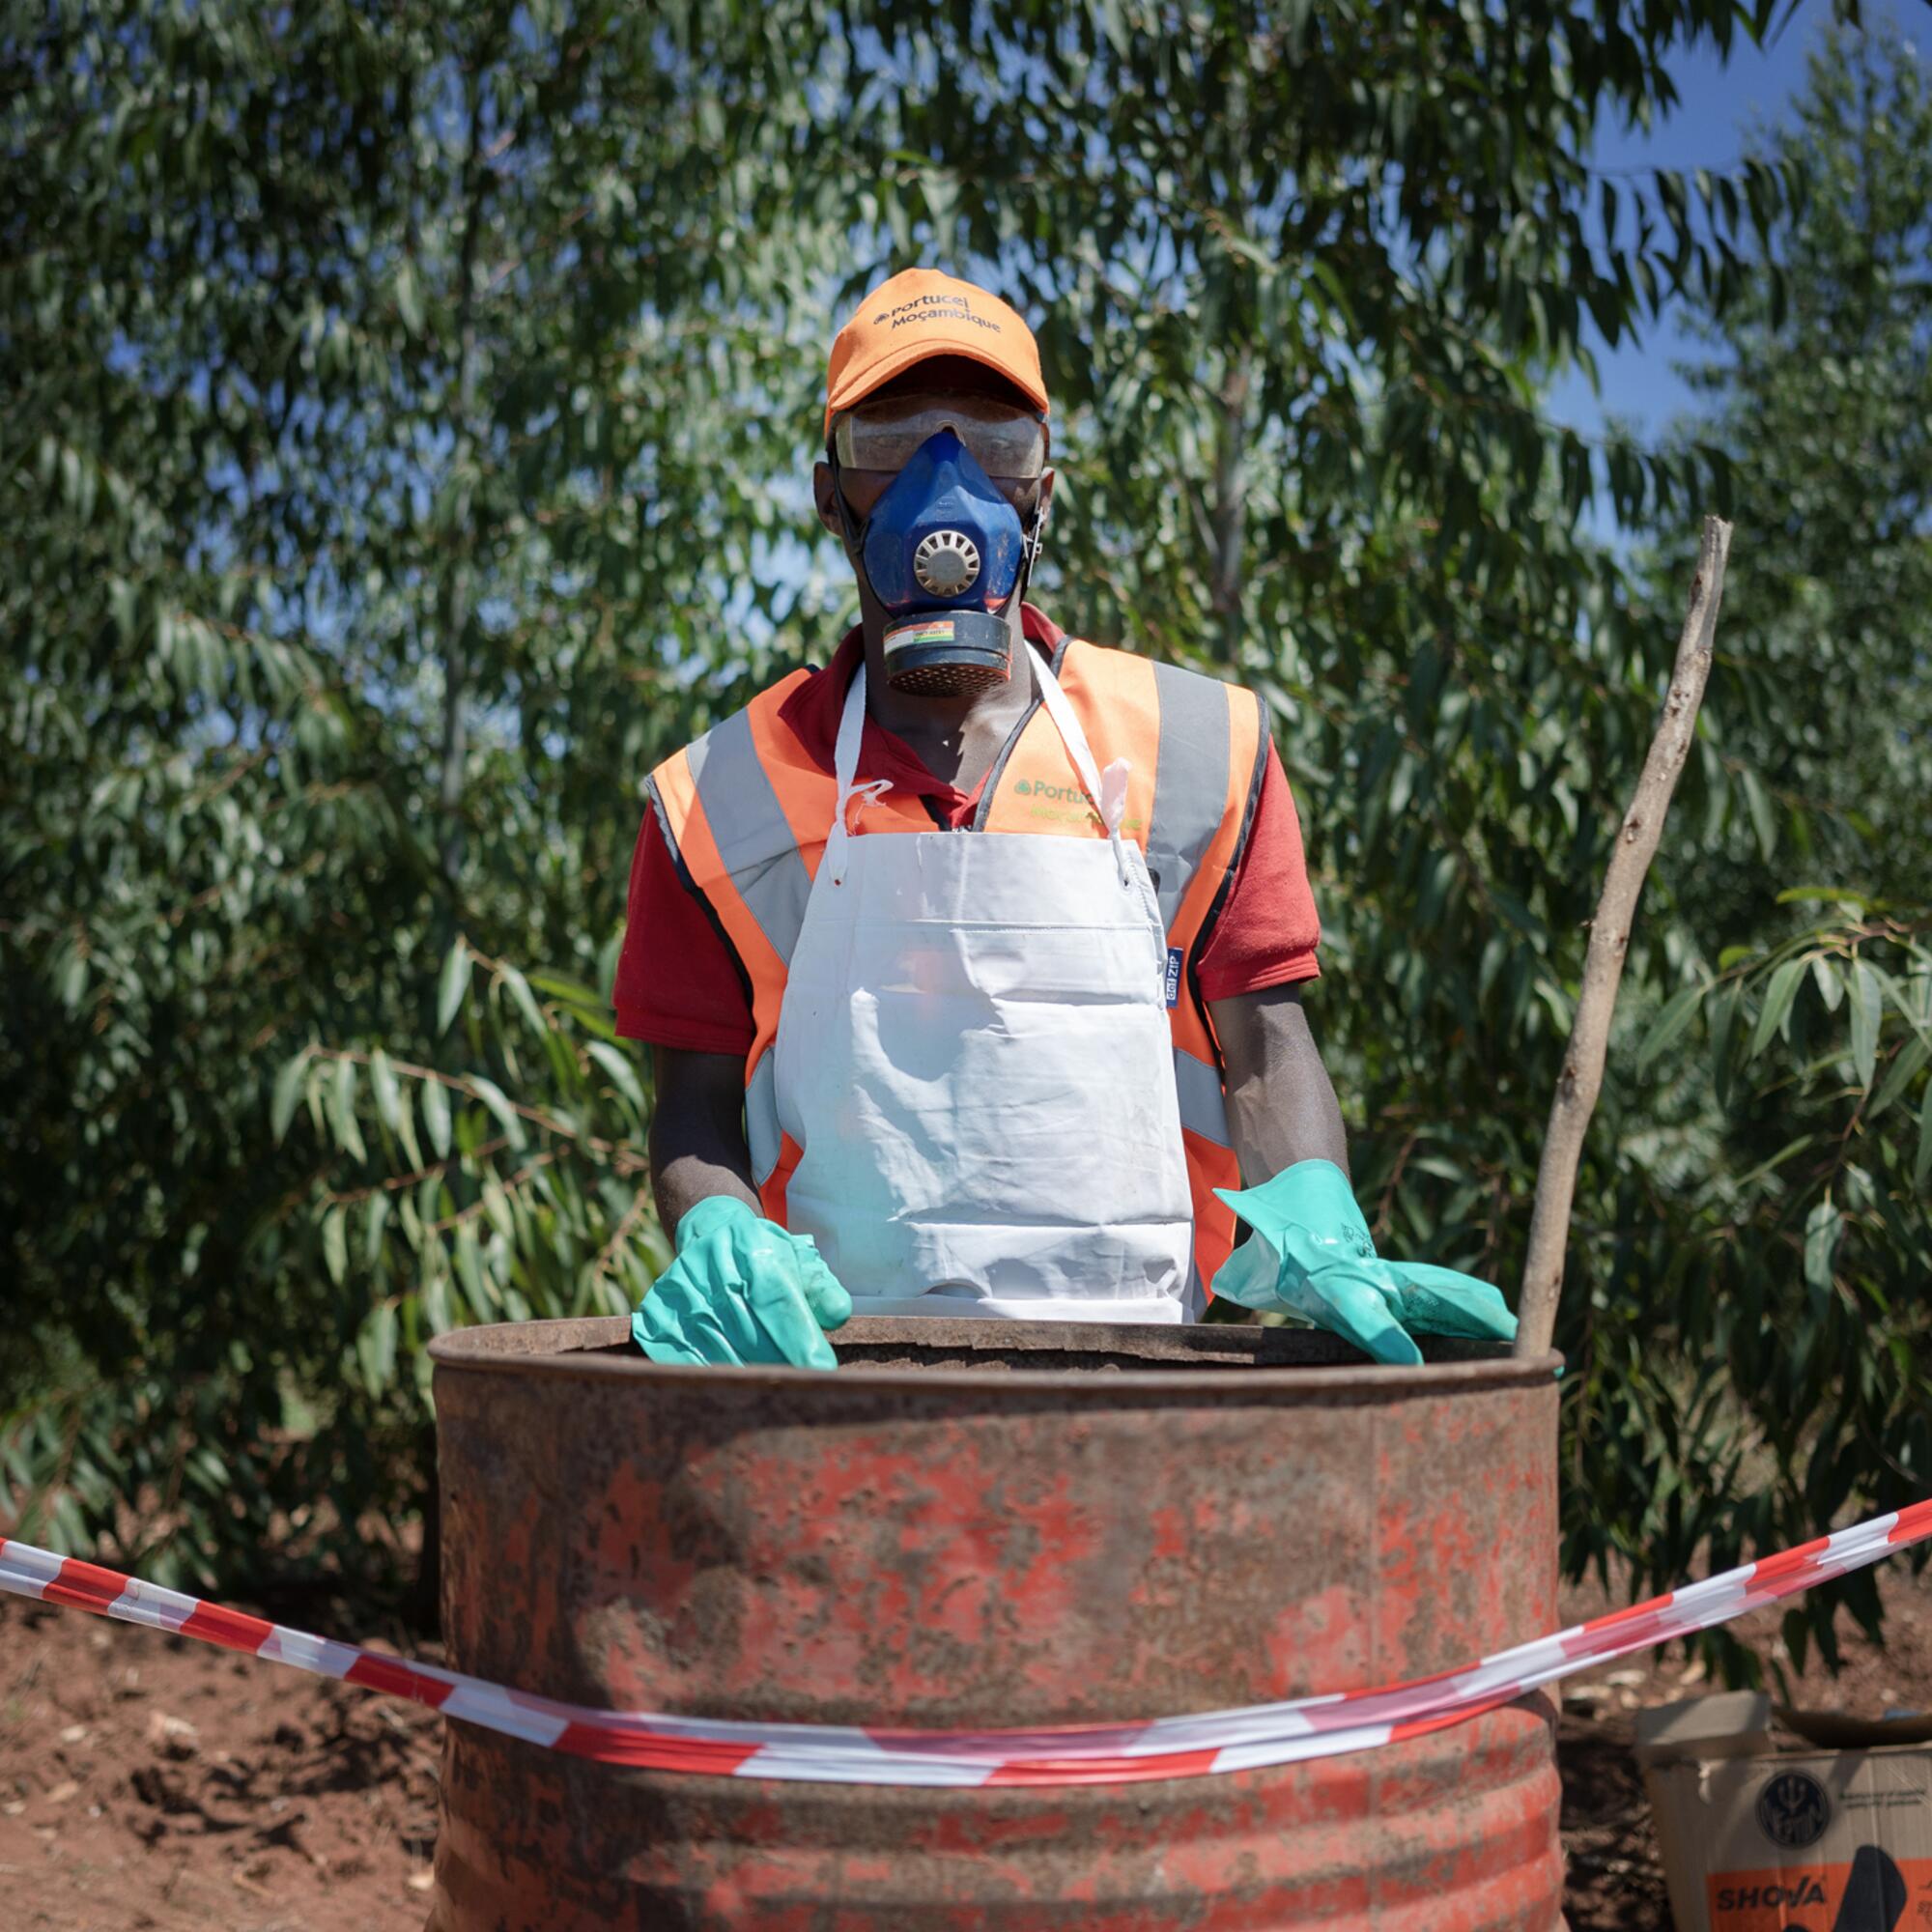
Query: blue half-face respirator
point(946, 556)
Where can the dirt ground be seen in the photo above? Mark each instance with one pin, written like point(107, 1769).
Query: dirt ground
point(149, 1781)
point(155, 1783)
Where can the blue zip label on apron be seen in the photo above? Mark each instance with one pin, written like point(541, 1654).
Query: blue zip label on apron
point(1175, 957)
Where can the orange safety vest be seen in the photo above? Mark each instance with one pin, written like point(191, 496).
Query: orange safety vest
point(745, 813)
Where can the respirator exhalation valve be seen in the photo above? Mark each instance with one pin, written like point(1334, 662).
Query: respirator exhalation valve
point(946, 563)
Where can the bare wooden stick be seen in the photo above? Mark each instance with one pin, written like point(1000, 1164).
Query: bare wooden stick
point(1582, 1075)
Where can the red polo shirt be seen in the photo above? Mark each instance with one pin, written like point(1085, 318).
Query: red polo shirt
point(678, 985)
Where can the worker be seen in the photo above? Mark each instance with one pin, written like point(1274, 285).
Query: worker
point(972, 962)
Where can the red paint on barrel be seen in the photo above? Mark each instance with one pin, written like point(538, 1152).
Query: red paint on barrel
point(996, 1525)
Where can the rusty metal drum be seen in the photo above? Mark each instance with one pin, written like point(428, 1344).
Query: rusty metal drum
point(977, 1525)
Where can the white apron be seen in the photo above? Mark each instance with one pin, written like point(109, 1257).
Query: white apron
point(974, 1053)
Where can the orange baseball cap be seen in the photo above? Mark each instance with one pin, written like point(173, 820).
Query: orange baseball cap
point(921, 313)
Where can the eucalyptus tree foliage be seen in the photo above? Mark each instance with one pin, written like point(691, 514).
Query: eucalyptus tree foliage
point(1761, 1340)
point(486, 1208)
point(1757, 1332)
point(386, 393)
point(461, 364)
point(1818, 388)
point(1305, 273)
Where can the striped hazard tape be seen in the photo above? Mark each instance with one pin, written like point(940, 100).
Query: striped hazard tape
point(1196, 1746)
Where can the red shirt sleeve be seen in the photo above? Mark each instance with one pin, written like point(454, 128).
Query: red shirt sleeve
point(678, 981)
point(1268, 929)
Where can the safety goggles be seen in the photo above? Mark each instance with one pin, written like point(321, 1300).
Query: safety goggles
point(1007, 439)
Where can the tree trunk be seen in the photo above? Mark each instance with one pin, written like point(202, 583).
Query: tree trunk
point(1231, 495)
point(1582, 1075)
point(456, 593)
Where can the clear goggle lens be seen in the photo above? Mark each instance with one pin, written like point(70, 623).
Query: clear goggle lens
point(1007, 439)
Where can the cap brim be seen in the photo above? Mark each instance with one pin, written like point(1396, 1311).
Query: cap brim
point(913, 354)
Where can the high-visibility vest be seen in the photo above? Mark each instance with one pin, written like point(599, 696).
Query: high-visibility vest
point(745, 813)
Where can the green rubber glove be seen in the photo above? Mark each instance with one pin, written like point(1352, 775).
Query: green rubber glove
point(742, 1289)
point(1311, 1256)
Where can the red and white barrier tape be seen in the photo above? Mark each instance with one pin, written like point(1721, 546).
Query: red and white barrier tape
point(1216, 1741)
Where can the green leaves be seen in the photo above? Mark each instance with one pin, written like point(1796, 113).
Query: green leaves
point(535, 1205)
point(525, 1001)
point(1778, 1228)
point(621, 1070)
point(1774, 1014)
point(1864, 999)
point(494, 1098)
point(388, 1095)
point(1757, 802)
point(409, 295)
point(376, 1347)
point(435, 1116)
point(342, 1110)
point(1905, 1067)
point(453, 984)
point(1678, 1012)
point(512, 384)
point(1822, 1229)
point(1851, 990)
point(335, 1244)
point(1829, 981)
point(288, 1093)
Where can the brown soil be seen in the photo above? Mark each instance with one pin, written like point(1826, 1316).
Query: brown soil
point(149, 1781)
point(153, 1782)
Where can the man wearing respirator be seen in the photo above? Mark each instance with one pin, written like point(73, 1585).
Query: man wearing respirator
point(971, 962)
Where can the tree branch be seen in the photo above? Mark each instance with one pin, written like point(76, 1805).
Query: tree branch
point(625, 1159)
point(1582, 1075)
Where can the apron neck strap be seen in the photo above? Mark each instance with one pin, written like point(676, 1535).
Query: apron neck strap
point(1108, 800)
point(851, 728)
point(1106, 792)
point(844, 769)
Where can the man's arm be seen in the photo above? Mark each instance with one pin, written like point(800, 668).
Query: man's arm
point(698, 1132)
point(1281, 1107)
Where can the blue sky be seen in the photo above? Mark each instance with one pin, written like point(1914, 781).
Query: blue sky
point(1720, 103)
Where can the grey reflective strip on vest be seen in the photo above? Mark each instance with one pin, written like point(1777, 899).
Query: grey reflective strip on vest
point(1190, 781)
point(1204, 1109)
point(753, 839)
point(761, 1118)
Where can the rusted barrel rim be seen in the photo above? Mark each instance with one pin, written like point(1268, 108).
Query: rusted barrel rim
point(560, 1349)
